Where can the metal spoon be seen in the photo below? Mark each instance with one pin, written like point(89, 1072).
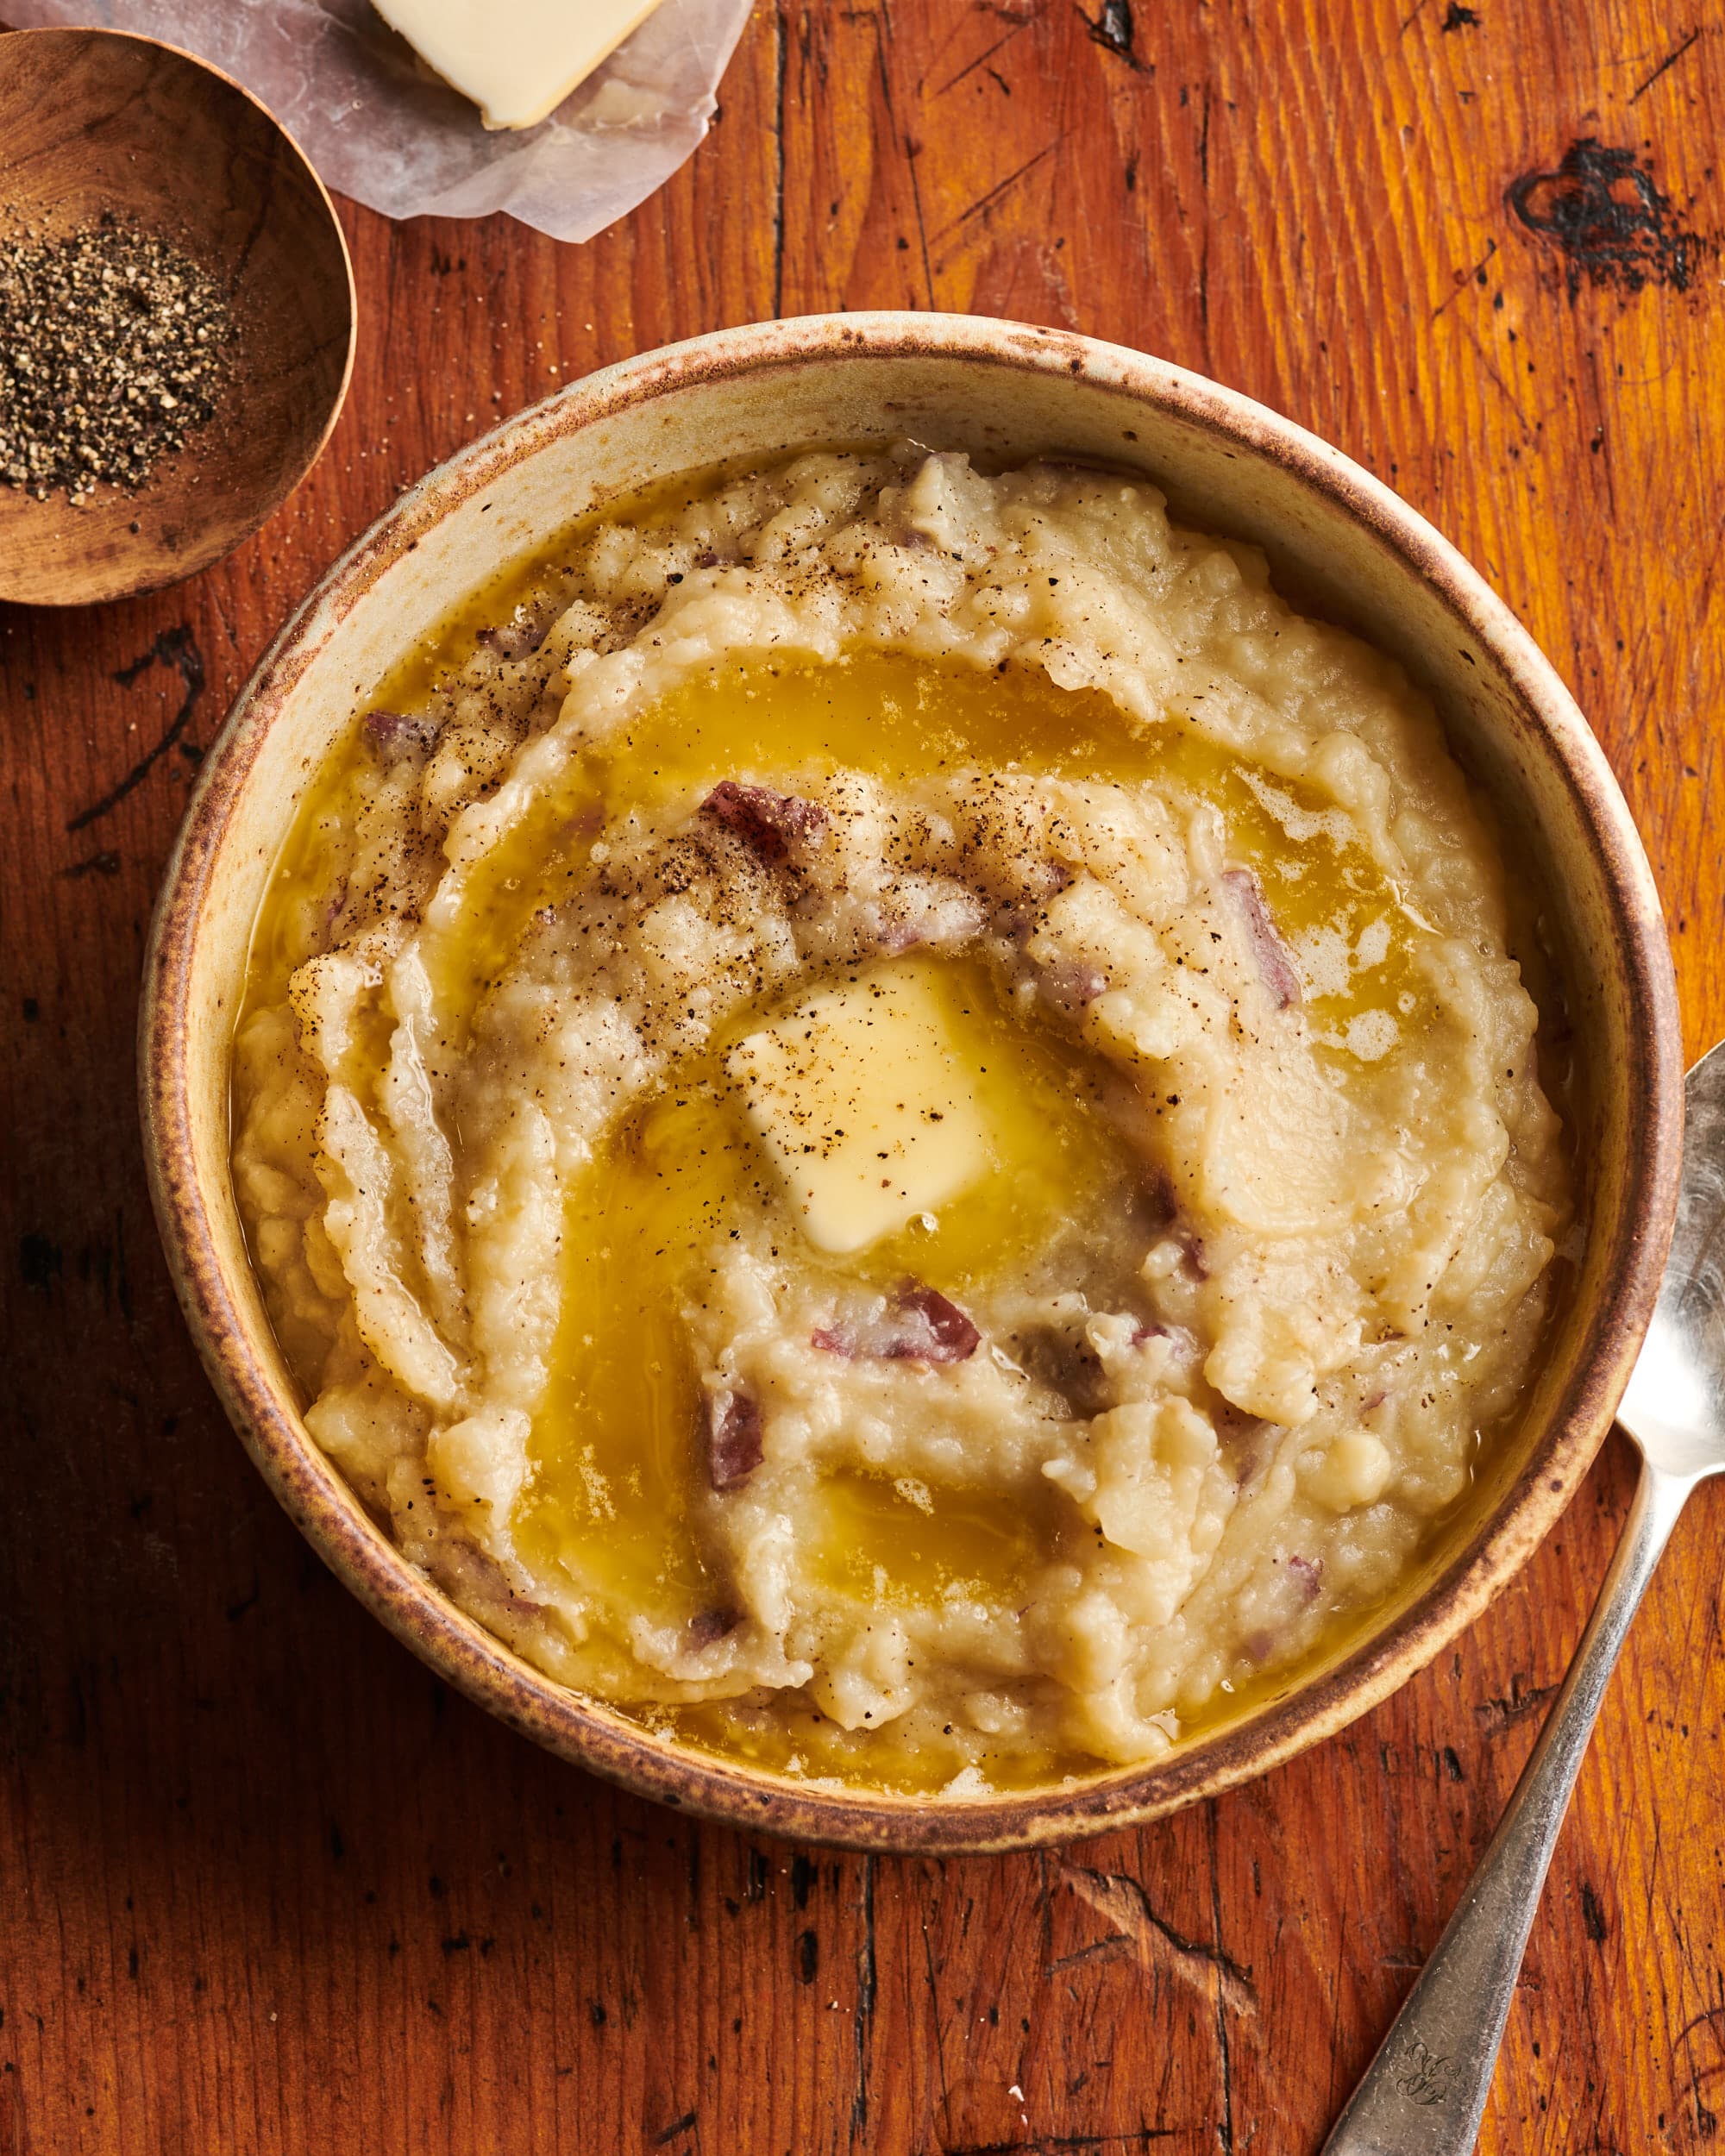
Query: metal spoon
point(1424, 2093)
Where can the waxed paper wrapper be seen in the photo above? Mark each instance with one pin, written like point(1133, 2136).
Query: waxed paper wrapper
point(378, 126)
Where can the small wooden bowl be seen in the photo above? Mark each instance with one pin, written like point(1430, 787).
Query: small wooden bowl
point(93, 121)
point(1004, 393)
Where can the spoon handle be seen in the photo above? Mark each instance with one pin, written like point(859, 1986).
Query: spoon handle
point(1424, 2094)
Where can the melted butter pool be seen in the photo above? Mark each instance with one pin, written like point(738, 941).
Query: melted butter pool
point(775, 720)
point(615, 1446)
point(907, 1542)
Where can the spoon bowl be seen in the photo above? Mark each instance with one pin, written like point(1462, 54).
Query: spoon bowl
point(1674, 1407)
point(95, 123)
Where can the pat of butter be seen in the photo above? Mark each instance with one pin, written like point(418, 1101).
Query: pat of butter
point(518, 60)
point(866, 1107)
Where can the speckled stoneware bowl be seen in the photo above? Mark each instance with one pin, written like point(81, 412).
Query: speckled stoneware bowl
point(1342, 544)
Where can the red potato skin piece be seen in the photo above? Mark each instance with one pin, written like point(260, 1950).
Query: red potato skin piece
point(1309, 1572)
point(394, 735)
point(766, 822)
point(514, 640)
point(707, 1626)
point(1071, 984)
point(918, 1326)
point(733, 1426)
point(954, 1339)
point(1309, 1576)
point(1275, 967)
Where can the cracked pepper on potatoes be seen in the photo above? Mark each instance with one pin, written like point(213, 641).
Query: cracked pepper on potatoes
point(892, 1124)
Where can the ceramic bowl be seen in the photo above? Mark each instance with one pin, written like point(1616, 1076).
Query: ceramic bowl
point(1345, 545)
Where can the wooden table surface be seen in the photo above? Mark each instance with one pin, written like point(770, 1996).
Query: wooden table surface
point(266, 1885)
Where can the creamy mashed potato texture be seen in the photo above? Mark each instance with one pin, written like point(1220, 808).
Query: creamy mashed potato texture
point(893, 1125)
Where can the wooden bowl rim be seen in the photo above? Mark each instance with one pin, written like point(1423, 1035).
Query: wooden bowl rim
point(586, 1731)
point(197, 559)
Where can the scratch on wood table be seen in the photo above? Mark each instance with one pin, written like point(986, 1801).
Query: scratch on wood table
point(1157, 1946)
point(266, 1886)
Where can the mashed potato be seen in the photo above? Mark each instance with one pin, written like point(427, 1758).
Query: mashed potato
point(894, 1125)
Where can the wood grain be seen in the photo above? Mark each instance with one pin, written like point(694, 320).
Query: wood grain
point(264, 1885)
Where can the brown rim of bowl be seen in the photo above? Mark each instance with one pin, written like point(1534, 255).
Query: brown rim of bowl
point(193, 565)
point(586, 1731)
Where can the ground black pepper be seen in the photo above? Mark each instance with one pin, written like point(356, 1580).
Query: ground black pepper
point(114, 346)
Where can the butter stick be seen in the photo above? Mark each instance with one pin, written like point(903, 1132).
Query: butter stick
point(518, 60)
